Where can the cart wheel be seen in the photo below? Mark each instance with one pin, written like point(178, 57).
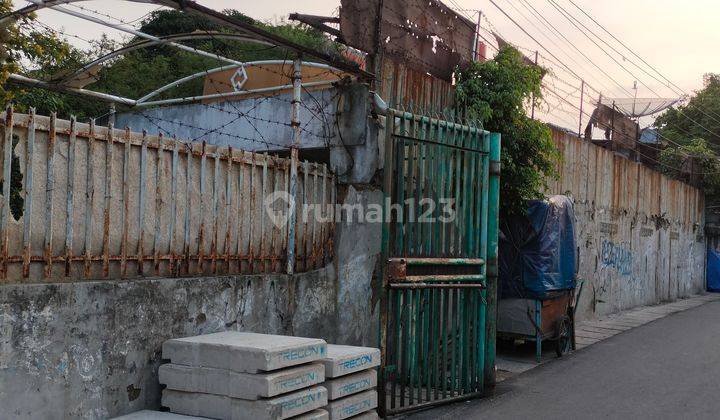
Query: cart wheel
point(564, 336)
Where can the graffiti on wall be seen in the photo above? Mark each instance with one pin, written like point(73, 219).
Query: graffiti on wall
point(616, 256)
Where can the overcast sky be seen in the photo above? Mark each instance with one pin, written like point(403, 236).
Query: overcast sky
point(678, 37)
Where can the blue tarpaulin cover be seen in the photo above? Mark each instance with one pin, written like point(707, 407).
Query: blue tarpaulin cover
point(713, 271)
point(537, 253)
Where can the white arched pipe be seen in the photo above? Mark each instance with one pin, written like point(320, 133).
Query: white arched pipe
point(120, 27)
point(230, 94)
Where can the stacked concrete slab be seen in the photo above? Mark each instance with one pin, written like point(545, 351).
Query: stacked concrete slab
point(352, 382)
point(245, 376)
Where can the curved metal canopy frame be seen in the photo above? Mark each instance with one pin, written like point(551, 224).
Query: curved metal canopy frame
point(88, 73)
point(76, 81)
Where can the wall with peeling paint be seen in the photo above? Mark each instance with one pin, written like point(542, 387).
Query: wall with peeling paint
point(92, 349)
point(639, 233)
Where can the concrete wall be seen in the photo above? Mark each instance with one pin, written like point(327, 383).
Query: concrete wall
point(328, 117)
point(639, 233)
point(92, 349)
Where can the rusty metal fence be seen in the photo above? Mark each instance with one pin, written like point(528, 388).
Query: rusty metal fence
point(80, 201)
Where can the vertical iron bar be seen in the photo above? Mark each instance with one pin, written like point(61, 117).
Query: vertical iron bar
point(108, 198)
point(485, 173)
point(173, 205)
point(313, 255)
point(427, 330)
point(28, 204)
point(251, 246)
point(453, 336)
point(446, 293)
point(141, 203)
point(90, 197)
point(126, 202)
point(274, 229)
point(228, 202)
point(49, 188)
point(216, 212)
point(240, 216)
point(201, 233)
point(263, 250)
point(322, 225)
point(492, 260)
point(158, 205)
point(188, 206)
point(305, 251)
point(6, 174)
point(72, 140)
point(400, 175)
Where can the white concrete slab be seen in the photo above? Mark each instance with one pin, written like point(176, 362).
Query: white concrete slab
point(353, 405)
point(318, 414)
point(351, 384)
point(343, 360)
point(248, 386)
point(156, 415)
point(368, 415)
point(221, 407)
point(243, 351)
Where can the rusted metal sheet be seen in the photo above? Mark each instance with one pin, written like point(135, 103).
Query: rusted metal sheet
point(156, 207)
point(427, 35)
point(640, 233)
point(621, 130)
point(405, 87)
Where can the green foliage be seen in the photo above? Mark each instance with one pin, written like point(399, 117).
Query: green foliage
point(693, 140)
point(496, 93)
point(696, 156)
point(698, 118)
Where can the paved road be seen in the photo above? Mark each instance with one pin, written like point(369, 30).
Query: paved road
point(668, 369)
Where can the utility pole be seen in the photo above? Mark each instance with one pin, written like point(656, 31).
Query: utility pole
point(476, 37)
point(532, 113)
point(294, 149)
point(582, 100)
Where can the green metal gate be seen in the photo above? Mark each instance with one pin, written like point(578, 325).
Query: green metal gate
point(440, 251)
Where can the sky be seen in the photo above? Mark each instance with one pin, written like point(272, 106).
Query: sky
point(678, 37)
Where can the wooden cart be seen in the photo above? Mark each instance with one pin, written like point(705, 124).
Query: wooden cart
point(552, 318)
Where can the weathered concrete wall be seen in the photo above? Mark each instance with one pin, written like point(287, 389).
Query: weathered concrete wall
point(357, 255)
point(328, 117)
point(639, 233)
point(92, 349)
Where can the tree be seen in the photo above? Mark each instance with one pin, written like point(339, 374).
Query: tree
point(496, 93)
point(696, 163)
point(692, 132)
point(699, 118)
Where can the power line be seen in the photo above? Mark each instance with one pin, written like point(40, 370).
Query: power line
point(533, 12)
point(572, 20)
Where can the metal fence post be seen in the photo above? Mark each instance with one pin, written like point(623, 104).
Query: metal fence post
point(295, 123)
point(385, 253)
point(492, 261)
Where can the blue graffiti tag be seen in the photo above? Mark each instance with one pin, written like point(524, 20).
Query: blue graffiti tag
point(616, 256)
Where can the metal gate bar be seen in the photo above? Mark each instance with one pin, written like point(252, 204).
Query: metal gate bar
point(433, 311)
